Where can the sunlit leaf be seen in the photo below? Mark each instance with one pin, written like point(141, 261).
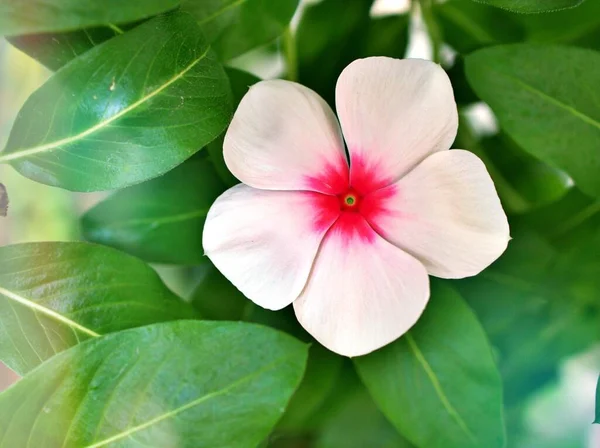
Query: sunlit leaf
point(55, 295)
point(38, 16)
point(438, 384)
point(545, 106)
point(124, 112)
point(179, 384)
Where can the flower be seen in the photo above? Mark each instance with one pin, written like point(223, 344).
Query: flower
point(351, 244)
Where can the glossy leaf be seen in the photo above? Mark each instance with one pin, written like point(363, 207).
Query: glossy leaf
point(469, 26)
point(184, 384)
point(56, 49)
point(236, 26)
point(124, 112)
point(39, 16)
point(160, 220)
point(532, 6)
point(55, 295)
point(438, 384)
point(545, 106)
point(324, 51)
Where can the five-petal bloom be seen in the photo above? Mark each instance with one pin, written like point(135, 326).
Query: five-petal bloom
point(352, 244)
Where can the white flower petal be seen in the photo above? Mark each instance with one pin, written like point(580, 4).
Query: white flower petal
point(446, 213)
point(363, 292)
point(265, 242)
point(285, 137)
point(393, 114)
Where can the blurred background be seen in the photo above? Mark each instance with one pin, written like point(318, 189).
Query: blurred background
point(559, 415)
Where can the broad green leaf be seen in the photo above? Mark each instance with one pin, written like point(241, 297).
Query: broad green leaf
point(160, 220)
point(240, 83)
point(56, 49)
point(325, 50)
point(538, 306)
point(438, 384)
point(544, 106)
point(359, 424)
point(39, 16)
point(469, 26)
point(236, 26)
point(532, 6)
point(55, 295)
point(597, 419)
point(322, 372)
point(124, 112)
point(576, 26)
point(179, 384)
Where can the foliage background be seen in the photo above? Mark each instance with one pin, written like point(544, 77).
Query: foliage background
point(557, 414)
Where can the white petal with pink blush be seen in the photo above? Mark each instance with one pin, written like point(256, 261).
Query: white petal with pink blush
point(351, 244)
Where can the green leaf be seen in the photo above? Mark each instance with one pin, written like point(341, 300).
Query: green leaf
point(544, 106)
point(322, 372)
point(160, 220)
point(438, 384)
point(532, 6)
point(39, 16)
point(469, 26)
point(577, 26)
point(56, 49)
point(55, 295)
point(124, 112)
point(236, 26)
point(597, 420)
point(185, 384)
point(325, 50)
point(359, 424)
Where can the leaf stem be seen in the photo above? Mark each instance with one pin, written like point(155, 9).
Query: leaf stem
point(291, 54)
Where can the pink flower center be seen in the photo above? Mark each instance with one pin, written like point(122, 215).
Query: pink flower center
point(353, 201)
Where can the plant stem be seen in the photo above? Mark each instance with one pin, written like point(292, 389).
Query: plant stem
point(435, 34)
point(291, 55)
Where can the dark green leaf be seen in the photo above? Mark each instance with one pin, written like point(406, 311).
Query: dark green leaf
point(438, 384)
point(322, 371)
point(240, 83)
point(325, 50)
point(56, 49)
point(184, 384)
point(124, 112)
point(537, 183)
point(160, 220)
point(54, 295)
point(545, 106)
point(577, 26)
point(359, 424)
point(237, 26)
point(532, 6)
point(217, 299)
point(39, 16)
point(468, 26)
